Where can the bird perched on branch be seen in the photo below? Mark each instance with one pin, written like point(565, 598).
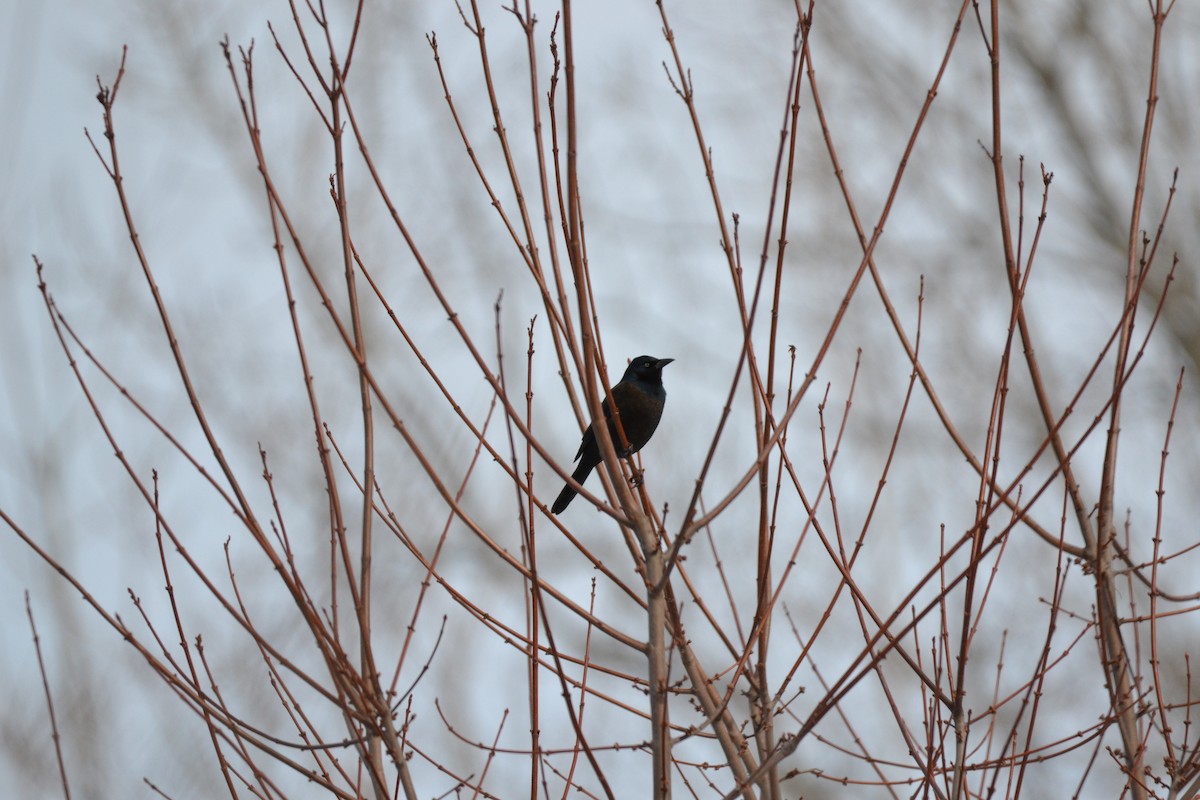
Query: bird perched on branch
point(640, 398)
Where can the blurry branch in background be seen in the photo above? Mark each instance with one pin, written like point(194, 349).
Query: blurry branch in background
point(881, 684)
point(58, 755)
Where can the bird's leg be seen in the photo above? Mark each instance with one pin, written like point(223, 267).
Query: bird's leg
point(636, 479)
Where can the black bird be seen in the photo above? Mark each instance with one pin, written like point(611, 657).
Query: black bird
point(640, 398)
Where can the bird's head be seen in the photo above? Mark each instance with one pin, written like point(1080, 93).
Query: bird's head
point(646, 368)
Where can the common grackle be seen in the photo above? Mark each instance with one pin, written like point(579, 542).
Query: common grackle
point(640, 397)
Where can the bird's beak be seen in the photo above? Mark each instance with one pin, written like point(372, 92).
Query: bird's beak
point(662, 362)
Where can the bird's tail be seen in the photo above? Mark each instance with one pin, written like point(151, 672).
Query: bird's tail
point(568, 494)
